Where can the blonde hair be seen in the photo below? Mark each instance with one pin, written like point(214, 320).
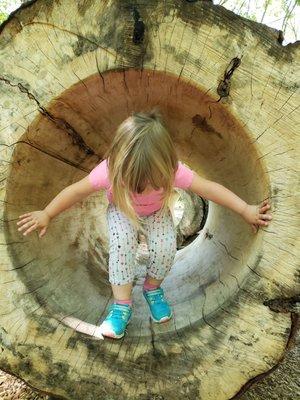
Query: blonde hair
point(142, 153)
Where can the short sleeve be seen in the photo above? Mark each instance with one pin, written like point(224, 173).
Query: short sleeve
point(98, 176)
point(183, 176)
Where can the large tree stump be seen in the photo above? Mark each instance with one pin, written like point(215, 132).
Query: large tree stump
point(70, 73)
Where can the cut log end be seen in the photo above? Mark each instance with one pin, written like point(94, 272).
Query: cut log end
point(231, 108)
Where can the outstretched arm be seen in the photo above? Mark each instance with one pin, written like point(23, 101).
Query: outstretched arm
point(253, 214)
point(63, 200)
point(69, 196)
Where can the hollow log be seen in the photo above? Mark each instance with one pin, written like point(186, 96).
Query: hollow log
point(70, 72)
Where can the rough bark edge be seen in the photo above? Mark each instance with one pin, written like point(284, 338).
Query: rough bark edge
point(263, 29)
point(283, 305)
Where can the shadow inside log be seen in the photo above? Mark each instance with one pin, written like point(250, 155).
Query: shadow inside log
point(66, 271)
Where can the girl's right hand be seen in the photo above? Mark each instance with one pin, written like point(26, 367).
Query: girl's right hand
point(257, 215)
point(34, 220)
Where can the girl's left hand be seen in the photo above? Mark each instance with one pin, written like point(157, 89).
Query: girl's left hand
point(257, 215)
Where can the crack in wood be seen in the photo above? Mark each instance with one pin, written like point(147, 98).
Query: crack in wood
point(155, 352)
point(70, 32)
point(256, 273)
point(290, 304)
point(60, 123)
point(224, 85)
point(50, 154)
point(64, 160)
point(206, 321)
point(8, 243)
point(280, 248)
point(227, 251)
point(127, 90)
point(139, 27)
point(100, 73)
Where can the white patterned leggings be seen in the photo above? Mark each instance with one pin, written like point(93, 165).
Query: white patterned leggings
point(123, 243)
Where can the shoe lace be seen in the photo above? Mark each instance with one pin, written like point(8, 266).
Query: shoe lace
point(118, 312)
point(156, 296)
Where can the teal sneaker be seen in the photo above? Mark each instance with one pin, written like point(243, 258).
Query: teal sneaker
point(115, 323)
point(159, 307)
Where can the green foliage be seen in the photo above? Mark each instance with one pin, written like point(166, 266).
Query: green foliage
point(3, 16)
point(3, 10)
point(6, 7)
point(251, 16)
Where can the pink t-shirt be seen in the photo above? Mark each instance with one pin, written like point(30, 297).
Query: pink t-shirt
point(144, 204)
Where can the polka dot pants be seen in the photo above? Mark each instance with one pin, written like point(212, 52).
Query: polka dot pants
point(160, 234)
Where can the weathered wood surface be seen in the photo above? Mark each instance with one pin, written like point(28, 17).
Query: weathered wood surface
point(279, 383)
point(70, 73)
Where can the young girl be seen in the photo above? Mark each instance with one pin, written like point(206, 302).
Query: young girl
point(138, 172)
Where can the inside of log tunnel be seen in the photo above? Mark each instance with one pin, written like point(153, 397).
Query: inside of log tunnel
point(66, 270)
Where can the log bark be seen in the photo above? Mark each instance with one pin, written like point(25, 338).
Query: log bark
point(70, 73)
